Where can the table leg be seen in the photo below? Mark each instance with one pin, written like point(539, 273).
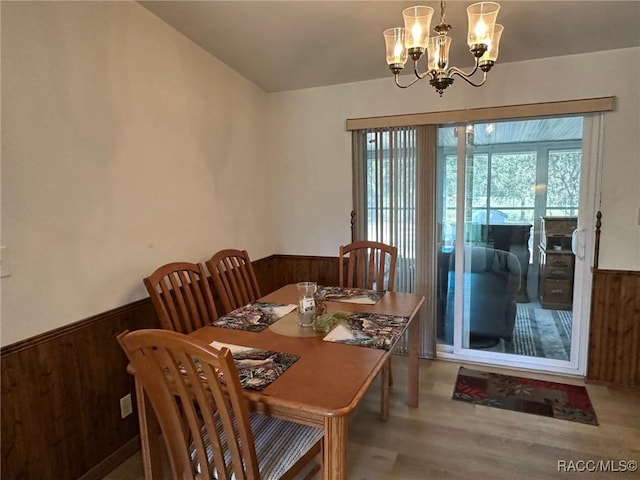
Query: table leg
point(385, 382)
point(414, 362)
point(149, 435)
point(334, 448)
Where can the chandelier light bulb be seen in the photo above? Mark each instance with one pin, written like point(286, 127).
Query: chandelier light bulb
point(491, 55)
point(417, 23)
point(416, 31)
point(398, 50)
point(480, 31)
point(482, 19)
point(394, 39)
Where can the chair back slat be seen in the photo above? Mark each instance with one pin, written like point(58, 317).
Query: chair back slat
point(233, 278)
point(181, 296)
point(370, 265)
point(195, 392)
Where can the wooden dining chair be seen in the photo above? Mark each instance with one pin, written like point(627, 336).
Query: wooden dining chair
point(371, 265)
point(233, 278)
point(181, 296)
point(195, 392)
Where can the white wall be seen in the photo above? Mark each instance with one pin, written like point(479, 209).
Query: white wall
point(310, 150)
point(124, 146)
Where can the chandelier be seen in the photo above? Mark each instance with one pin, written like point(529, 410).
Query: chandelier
point(413, 40)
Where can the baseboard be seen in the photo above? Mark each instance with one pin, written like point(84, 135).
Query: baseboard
point(113, 461)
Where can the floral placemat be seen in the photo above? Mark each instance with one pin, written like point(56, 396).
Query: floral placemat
point(258, 368)
point(254, 317)
point(373, 330)
point(350, 295)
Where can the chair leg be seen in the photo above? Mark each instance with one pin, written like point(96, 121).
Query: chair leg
point(390, 372)
point(316, 465)
point(308, 465)
point(312, 473)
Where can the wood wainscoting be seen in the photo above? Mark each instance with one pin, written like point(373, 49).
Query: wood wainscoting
point(61, 390)
point(614, 335)
point(61, 397)
point(280, 270)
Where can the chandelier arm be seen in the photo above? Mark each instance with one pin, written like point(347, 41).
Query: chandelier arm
point(397, 79)
point(466, 78)
point(465, 75)
point(419, 75)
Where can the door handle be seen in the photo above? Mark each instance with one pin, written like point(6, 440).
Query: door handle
point(577, 242)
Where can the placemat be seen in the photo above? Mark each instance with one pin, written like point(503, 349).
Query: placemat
point(372, 330)
point(258, 368)
point(350, 295)
point(254, 317)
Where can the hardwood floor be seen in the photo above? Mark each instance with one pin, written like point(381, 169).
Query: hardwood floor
point(448, 439)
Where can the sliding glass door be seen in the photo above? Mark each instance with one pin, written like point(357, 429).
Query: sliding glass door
point(508, 208)
point(494, 224)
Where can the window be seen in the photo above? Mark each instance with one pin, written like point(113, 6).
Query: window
point(563, 182)
point(521, 170)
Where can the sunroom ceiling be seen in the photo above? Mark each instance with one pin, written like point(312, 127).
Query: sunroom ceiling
point(521, 131)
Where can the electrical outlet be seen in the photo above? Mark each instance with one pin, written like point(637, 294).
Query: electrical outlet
point(126, 407)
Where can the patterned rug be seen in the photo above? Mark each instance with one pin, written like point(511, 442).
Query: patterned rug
point(541, 333)
point(538, 332)
point(540, 397)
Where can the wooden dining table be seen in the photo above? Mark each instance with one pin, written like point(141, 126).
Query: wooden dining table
point(322, 388)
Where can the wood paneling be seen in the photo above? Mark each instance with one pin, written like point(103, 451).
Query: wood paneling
point(279, 270)
point(614, 339)
point(61, 390)
point(61, 396)
point(264, 269)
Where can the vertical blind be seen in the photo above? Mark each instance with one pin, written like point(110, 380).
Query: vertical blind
point(390, 213)
point(393, 182)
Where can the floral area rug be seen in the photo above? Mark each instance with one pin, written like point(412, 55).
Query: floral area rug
point(540, 397)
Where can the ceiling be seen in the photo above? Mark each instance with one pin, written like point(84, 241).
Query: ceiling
point(541, 130)
point(288, 45)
